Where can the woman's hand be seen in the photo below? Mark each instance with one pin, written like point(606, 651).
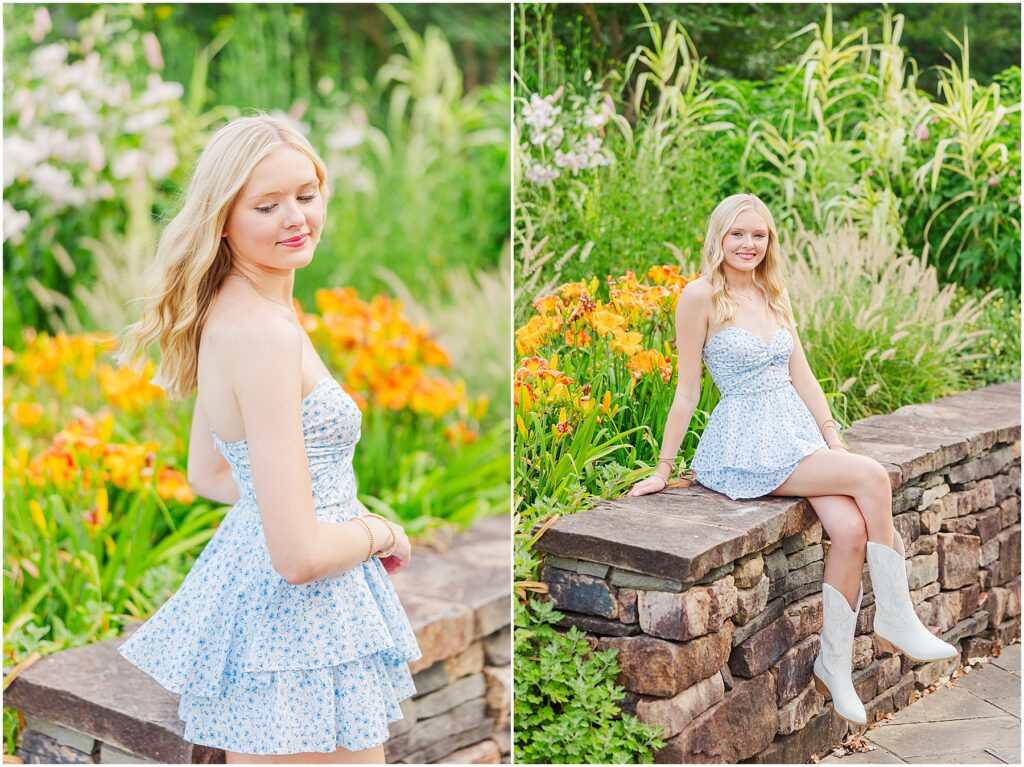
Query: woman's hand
point(403, 553)
point(653, 484)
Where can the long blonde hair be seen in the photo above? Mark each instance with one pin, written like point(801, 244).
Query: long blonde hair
point(192, 259)
point(767, 274)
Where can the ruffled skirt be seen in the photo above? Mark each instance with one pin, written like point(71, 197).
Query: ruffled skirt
point(753, 442)
point(267, 667)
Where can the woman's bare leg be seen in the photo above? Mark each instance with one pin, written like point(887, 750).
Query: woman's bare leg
point(848, 537)
point(373, 755)
point(835, 472)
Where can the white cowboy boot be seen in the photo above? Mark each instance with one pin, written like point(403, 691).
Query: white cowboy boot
point(834, 665)
point(896, 624)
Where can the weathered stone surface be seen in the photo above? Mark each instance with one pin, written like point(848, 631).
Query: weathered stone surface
point(777, 568)
point(866, 619)
point(970, 600)
point(922, 569)
point(925, 544)
point(989, 552)
point(817, 736)
point(908, 497)
point(962, 525)
point(806, 556)
point(64, 736)
point(863, 651)
point(580, 593)
point(408, 720)
point(889, 671)
point(673, 714)
point(1003, 603)
point(989, 523)
point(925, 592)
point(429, 679)
point(749, 570)
point(37, 748)
point(498, 647)
point(498, 695)
point(972, 626)
point(577, 565)
point(1008, 564)
point(742, 725)
point(791, 544)
point(958, 559)
point(812, 533)
point(751, 601)
point(593, 624)
point(908, 525)
point(865, 681)
point(723, 594)
point(930, 519)
point(717, 573)
point(799, 711)
point(981, 496)
point(932, 494)
point(657, 667)
point(442, 627)
point(110, 755)
point(450, 696)
point(902, 691)
point(727, 680)
point(771, 611)
point(806, 616)
point(675, 616)
point(1009, 510)
point(628, 579)
point(458, 727)
point(1006, 632)
point(793, 670)
point(976, 648)
point(628, 611)
point(946, 609)
point(929, 673)
point(984, 466)
point(811, 574)
point(760, 651)
point(484, 752)
point(469, 661)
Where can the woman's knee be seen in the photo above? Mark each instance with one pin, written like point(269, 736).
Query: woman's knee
point(849, 533)
point(874, 479)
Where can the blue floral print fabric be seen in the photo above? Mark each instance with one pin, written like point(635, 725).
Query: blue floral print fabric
point(267, 667)
point(761, 429)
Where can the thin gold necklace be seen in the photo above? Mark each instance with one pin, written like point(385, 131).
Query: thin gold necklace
point(261, 293)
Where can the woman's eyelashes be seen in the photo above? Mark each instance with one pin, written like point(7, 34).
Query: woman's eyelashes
point(302, 198)
point(740, 234)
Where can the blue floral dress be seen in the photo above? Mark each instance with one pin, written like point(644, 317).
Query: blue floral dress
point(761, 429)
point(267, 667)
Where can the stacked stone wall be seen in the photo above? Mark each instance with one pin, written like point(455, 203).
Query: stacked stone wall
point(720, 655)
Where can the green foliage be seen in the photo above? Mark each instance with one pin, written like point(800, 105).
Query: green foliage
point(565, 710)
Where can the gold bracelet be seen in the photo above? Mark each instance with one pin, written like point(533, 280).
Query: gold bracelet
point(826, 423)
point(369, 532)
point(394, 535)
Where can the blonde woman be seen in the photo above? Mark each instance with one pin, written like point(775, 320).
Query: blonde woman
point(772, 434)
point(286, 641)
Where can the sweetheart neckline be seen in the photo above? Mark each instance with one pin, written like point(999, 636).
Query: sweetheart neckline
point(756, 337)
point(305, 399)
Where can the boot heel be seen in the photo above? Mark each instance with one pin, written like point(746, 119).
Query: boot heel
point(821, 688)
point(886, 645)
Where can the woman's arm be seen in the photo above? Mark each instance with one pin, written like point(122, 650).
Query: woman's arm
point(266, 360)
point(810, 392)
point(691, 327)
point(208, 473)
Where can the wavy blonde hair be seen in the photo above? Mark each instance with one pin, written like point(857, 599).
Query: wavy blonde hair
point(767, 274)
point(192, 259)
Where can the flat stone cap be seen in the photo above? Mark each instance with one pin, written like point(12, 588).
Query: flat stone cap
point(684, 533)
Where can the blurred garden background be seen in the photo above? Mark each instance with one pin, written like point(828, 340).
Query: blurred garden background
point(886, 142)
point(407, 299)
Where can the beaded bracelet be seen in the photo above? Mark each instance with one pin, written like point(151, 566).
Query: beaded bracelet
point(394, 536)
point(369, 533)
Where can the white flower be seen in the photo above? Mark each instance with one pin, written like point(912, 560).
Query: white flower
point(57, 184)
point(163, 162)
point(141, 122)
point(346, 136)
point(47, 60)
point(15, 221)
point(541, 113)
point(41, 24)
point(125, 165)
point(159, 91)
point(20, 156)
point(151, 49)
point(555, 136)
point(541, 174)
point(593, 119)
point(92, 148)
point(571, 160)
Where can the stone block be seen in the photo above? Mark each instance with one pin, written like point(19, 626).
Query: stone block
point(37, 748)
point(946, 609)
point(958, 559)
point(592, 624)
point(1008, 564)
point(806, 616)
point(930, 519)
point(791, 544)
point(111, 755)
point(976, 649)
point(972, 626)
point(632, 580)
point(749, 570)
point(799, 711)
point(63, 735)
point(917, 596)
point(989, 552)
point(970, 600)
point(932, 494)
point(577, 565)
point(907, 497)
point(454, 729)
point(760, 651)
point(727, 680)
point(454, 694)
point(806, 556)
point(793, 670)
point(866, 620)
point(1004, 486)
point(442, 627)
point(498, 647)
point(863, 651)
point(628, 611)
point(865, 681)
point(675, 616)
point(902, 691)
point(580, 593)
point(1003, 603)
point(812, 533)
point(989, 523)
point(673, 714)
point(811, 574)
point(723, 602)
point(962, 525)
point(908, 525)
point(922, 569)
point(889, 672)
point(469, 661)
point(817, 736)
point(484, 752)
point(1009, 511)
point(719, 572)
point(925, 544)
point(776, 567)
point(430, 679)
point(751, 601)
point(740, 726)
point(963, 502)
point(1006, 632)
point(771, 611)
point(498, 695)
point(652, 666)
point(929, 673)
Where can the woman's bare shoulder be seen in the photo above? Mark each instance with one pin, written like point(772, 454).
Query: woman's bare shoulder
point(695, 297)
point(248, 337)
